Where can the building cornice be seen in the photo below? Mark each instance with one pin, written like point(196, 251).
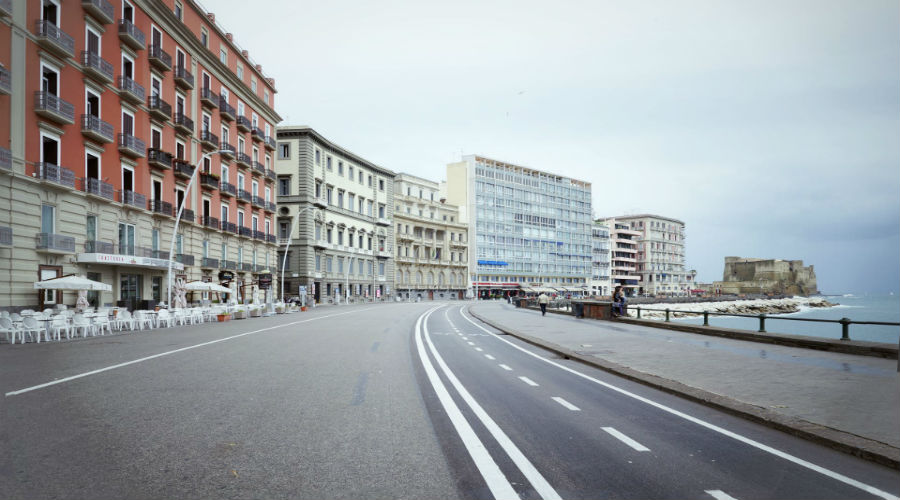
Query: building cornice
point(290, 132)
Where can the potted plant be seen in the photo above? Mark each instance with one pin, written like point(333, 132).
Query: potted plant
point(223, 317)
point(240, 314)
point(255, 312)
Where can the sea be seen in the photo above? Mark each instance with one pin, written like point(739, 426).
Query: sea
point(855, 307)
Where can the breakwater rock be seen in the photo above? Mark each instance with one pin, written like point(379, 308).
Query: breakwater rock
point(759, 306)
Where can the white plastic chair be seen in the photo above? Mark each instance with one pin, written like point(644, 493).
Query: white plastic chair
point(79, 322)
point(30, 326)
point(197, 315)
point(124, 319)
point(59, 324)
point(7, 327)
point(142, 319)
point(101, 321)
point(163, 316)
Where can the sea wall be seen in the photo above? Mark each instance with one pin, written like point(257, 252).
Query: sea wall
point(761, 306)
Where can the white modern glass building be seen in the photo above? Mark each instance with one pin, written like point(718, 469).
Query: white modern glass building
point(532, 229)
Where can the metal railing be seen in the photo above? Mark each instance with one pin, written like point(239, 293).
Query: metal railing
point(132, 144)
point(211, 222)
point(56, 174)
point(160, 57)
point(93, 124)
point(48, 31)
point(47, 102)
point(156, 104)
point(103, 7)
point(209, 181)
point(185, 259)
point(95, 246)
point(182, 74)
point(181, 120)
point(99, 188)
point(183, 168)
point(131, 33)
point(227, 188)
point(97, 63)
point(134, 199)
point(161, 207)
point(50, 241)
point(844, 322)
point(131, 87)
point(209, 262)
point(5, 80)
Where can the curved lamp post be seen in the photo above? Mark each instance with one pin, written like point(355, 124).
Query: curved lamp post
point(288, 245)
point(187, 194)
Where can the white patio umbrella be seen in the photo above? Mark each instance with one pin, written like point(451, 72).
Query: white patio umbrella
point(72, 282)
point(204, 286)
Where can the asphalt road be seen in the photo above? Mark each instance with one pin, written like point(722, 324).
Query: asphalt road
point(375, 401)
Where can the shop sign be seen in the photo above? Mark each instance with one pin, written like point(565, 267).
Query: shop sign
point(226, 275)
point(265, 281)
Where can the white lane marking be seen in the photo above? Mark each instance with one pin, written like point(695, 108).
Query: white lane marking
point(490, 471)
point(471, 343)
point(479, 349)
point(528, 381)
point(465, 338)
point(506, 368)
point(566, 404)
point(720, 495)
point(537, 480)
point(756, 444)
point(134, 361)
point(625, 439)
point(488, 356)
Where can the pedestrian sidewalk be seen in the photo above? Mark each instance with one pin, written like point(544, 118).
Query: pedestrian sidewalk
point(846, 401)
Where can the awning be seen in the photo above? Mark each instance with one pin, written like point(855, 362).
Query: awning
point(126, 260)
point(72, 282)
point(205, 286)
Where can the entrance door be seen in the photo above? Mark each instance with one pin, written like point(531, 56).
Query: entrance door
point(130, 289)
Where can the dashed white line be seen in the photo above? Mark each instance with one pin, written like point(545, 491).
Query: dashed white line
point(465, 338)
point(478, 349)
point(506, 368)
point(528, 381)
point(566, 404)
point(720, 495)
point(625, 439)
point(488, 356)
point(471, 343)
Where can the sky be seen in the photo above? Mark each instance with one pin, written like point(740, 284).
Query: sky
point(771, 128)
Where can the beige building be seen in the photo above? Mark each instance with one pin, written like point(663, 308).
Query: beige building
point(432, 244)
point(623, 256)
point(334, 212)
point(659, 260)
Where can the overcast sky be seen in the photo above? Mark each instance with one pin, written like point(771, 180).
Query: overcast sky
point(771, 128)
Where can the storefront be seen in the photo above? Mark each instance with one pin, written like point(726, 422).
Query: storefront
point(138, 282)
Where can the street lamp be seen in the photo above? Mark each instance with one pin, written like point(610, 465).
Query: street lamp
point(187, 194)
point(288, 245)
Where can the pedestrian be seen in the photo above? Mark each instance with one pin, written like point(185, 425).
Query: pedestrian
point(543, 300)
point(618, 302)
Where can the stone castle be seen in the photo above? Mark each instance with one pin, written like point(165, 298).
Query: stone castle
point(762, 276)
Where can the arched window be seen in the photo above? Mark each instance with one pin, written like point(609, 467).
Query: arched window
point(441, 278)
point(430, 278)
point(418, 277)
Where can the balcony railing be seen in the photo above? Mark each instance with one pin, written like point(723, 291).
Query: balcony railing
point(209, 139)
point(183, 124)
point(161, 207)
point(184, 78)
point(5, 159)
point(209, 98)
point(131, 146)
point(134, 199)
point(55, 243)
point(182, 168)
point(227, 189)
point(5, 81)
point(97, 67)
point(159, 158)
point(159, 58)
point(6, 236)
point(259, 168)
point(243, 123)
point(97, 129)
point(258, 134)
point(96, 187)
point(246, 266)
point(270, 143)
point(159, 108)
point(244, 159)
point(245, 231)
point(270, 175)
point(270, 206)
point(271, 238)
point(100, 9)
point(228, 264)
point(54, 108)
point(226, 111)
point(208, 181)
point(132, 36)
point(56, 174)
point(209, 263)
point(96, 246)
point(187, 215)
point(231, 227)
point(5, 7)
point(258, 201)
point(244, 195)
point(259, 235)
point(185, 259)
point(131, 90)
point(54, 39)
point(210, 222)
point(226, 150)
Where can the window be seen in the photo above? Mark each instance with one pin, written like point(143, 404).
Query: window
point(284, 151)
point(126, 239)
point(318, 157)
point(48, 219)
point(283, 228)
point(360, 176)
point(328, 235)
point(340, 198)
point(370, 181)
point(179, 10)
point(328, 192)
point(240, 72)
point(284, 186)
point(204, 37)
point(253, 84)
point(328, 163)
point(350, 172)
point(381, 210)
point(341, 168)
point(381, 184)
point(223, 56)
point(49, 79)
point(266, 96)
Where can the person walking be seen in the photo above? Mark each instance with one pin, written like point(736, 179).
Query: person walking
point(543, 300)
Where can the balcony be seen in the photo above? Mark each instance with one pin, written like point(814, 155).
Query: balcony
point(226, 111)
point(227, 189)
point(243, 124)
point(56, 175)
point(383, 254)
point(130, 35)
point(270, 175)
point(102, 10)
point(187, 215)
point(159, 58)
point(130, 145)
point(130, 90)
point(258, 168)
point(226, 150)
point(320, 243)
point(97, 67)
point(6, 8)
point(159, 158)
point(257, 134)
point(50, 37)
point(458, 244)
point(270, 143)
point(381, 221)
point(186, 259)
point(133, 199)
point(244, 196)
point(97, 129)
point(5, 159)
point(182, 169)
point(246, 266)
point(96, 187)
point(5, 81)
point(209, 140)
point(184, 78)
point(210, 222)
point(54, 243)
point(52, 107)
point(209, 98)
point(245, 232)
point(259, 235)
point(183, 124)
point(270, 238)
point(270, 206)
point(228, 265)
point(320, 202)
point(258, 201)
point(96, 246)
point(161, 208)
point(158, 108)
point(244, 160)
point(209, 263)
point(208, 181)
point(230, 227)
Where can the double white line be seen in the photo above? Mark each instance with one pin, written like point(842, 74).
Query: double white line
point(498, 484)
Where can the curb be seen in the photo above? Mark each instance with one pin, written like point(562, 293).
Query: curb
point(867, 449)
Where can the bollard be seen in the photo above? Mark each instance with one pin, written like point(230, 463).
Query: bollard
point(667, 314)
point(639, 312)
point(705, 318)
point(762, 323)
point(845, 328)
